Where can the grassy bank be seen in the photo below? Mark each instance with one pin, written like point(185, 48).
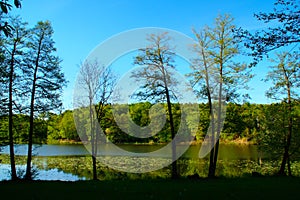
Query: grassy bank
point(245, 188)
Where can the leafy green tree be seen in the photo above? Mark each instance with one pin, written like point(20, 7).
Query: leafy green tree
point(272, 140)
point(53, 128)
point(21, 125)
point(234, 124)
point(20, 128)
point(285, 76)
point(159, 59)
point(139, 113)
point(3, 129)
point(61, 127)
point(45, 79)
point(203, 123)
point(250, 115)
point(214, 72)
point(285, 33)
point(67, 128)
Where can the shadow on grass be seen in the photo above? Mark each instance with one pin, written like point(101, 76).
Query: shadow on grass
point(271, 187)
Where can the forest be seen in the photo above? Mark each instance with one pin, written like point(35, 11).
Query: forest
point(245, 123)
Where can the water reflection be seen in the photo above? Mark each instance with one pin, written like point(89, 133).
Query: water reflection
point(48, 150)
point(227, 151)
point(41, 174)
point(72, 162)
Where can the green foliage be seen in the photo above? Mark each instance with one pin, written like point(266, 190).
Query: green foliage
point(20, 129)
point(62, 127)
point(12, 51)
point(216, 48)
point(272, 140)
point(250, 121)
point(67, 126)
point(43, 73)
point(284, 76)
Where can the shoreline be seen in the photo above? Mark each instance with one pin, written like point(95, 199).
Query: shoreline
point(239, 141)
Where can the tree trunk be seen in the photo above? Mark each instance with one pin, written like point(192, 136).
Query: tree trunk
point(211, 113)
point(211, 171)
point(10, 118)
point(289, 166)
point(216, 149)
point(174, 163)
point(216, 157)
point(218, 132)
point(283, 162)
point(93, 142)
point(94, 168)
point(286, 156)
point(94, 154)
point(28, 175)
point(171, 122)
point(95, 177)
point(99, 114)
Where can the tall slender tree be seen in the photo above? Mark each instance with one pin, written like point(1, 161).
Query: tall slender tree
point(217, 76)
point(285, 76)
point(284, 33)
point(95, 82)
point(45, 79)
point(159, 59)
point(202, 76)
point(12, 66)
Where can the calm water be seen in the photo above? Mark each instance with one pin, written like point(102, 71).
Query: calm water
point(72, 162)
point(48, 150)
point(226, 151)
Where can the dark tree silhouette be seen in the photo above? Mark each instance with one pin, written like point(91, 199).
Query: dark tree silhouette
point(5, 26)
point(45, 79)
point(287, 15)
point(158, 57)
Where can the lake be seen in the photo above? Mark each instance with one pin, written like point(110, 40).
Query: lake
point(74, 160)
point(226, 151)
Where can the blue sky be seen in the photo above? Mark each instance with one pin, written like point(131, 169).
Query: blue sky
point(82, 25)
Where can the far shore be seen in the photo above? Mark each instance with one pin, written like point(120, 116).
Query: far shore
point(239, 141)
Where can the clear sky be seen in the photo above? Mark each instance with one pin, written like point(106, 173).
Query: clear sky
point(81, 25)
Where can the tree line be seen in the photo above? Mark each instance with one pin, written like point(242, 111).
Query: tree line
point(244, 123)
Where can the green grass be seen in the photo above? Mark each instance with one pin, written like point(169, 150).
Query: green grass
point(244, 188)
